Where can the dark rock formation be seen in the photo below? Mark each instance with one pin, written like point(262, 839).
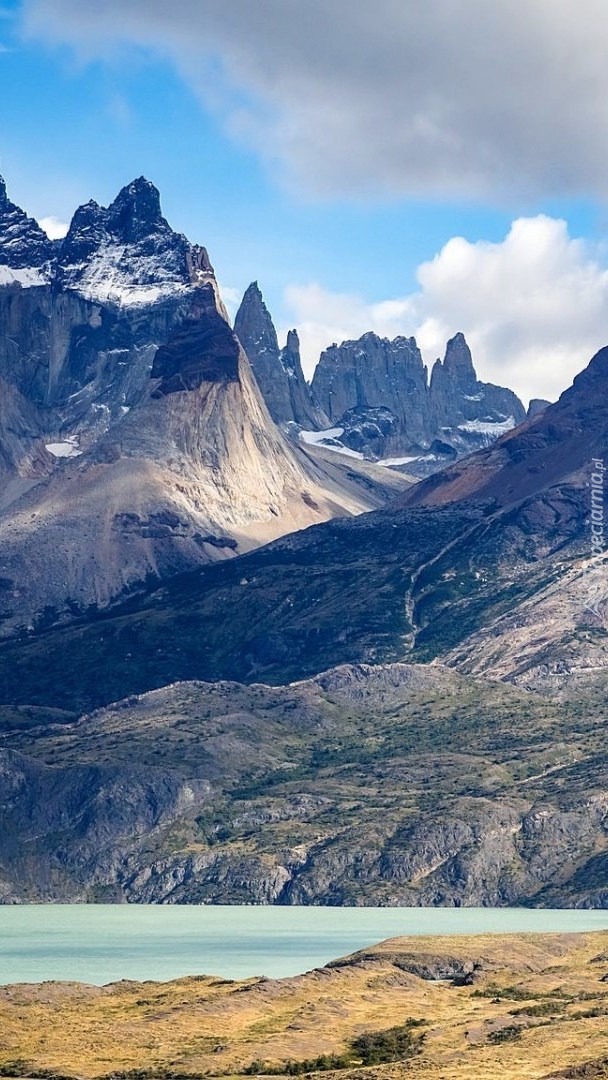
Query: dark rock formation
point(278, 372)
point(23, 244)
point(458, 397)
point(377, 391)
point(537, 405)
point(376, 373)
point(369, 430)
point(204, 350)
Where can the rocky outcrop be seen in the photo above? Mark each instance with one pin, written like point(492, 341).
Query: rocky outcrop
point(537, 405)
point(377, 395)
point(371, 398)
point(202, 350)
point(459, 399)
point(278, 372)
point(376, 373)
point(25, 249)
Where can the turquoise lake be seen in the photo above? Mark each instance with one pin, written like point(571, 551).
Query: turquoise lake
point(102, 943)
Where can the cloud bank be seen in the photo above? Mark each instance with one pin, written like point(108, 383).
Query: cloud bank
point(53, 227)
point(534, 307)
point(429, 97)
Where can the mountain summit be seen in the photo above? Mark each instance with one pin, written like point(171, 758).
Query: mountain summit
point(278, 371)
point(377, 393)
point(128, 253)
point(24, 246)
point(134, 441)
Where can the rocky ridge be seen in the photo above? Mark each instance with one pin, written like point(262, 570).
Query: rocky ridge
point(131, 429)
point(378, 396)
point(372, 399)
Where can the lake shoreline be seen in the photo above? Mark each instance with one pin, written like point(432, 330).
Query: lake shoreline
point(99, 944)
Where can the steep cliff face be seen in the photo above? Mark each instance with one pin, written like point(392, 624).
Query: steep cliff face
point(22, 451)
point(375, 373)
point(278, 372)
point(377, 395)
point(134, 441)
point(78, 333)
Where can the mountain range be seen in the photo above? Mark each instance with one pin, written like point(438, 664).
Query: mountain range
point(269, 669)
point(373, 398)
point(134, 441)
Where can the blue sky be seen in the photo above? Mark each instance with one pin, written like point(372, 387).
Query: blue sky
point(334, 229)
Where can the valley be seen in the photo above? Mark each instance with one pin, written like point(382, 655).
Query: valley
point(243, 666)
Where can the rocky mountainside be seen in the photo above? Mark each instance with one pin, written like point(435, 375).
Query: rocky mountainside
point(134, 442)
point(372, 399)
point(137, 456)
point(502, 540)
point(377, 395)
point(278, 372)
point(399, 784)
point(559, 443)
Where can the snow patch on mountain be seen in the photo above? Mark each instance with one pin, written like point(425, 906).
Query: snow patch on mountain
point(26, 277)
point(490, 427)
point(116, 277)
point(68, 448)
point(329, 440)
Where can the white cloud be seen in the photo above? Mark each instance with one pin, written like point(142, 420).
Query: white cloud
point(435, 98)
point(53, 227)
point(533, 307)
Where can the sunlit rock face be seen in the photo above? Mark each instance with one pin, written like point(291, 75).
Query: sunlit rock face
point(134, 441)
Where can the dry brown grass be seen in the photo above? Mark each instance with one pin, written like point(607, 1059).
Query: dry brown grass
point(208, 1025)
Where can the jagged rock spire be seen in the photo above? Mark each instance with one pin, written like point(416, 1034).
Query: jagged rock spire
point(135, 212)
point(128, 253)
point(458, 361)
point(23, 244)
point(278, 371)
point(254, 326)
point(376, 373)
